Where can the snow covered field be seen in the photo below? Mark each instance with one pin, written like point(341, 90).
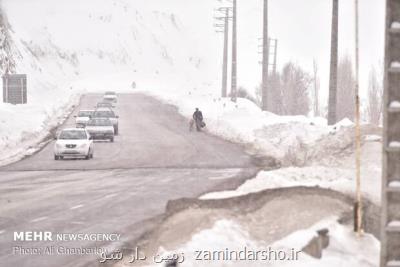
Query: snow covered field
point(345, 249)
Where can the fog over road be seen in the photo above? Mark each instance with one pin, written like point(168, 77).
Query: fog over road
point(154, 159)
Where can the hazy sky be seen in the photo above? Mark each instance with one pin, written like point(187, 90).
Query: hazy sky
point(303, 29)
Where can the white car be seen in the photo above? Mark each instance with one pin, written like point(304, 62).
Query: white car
point(110, 96)
point(101, 128)
point(73, 142)
point(83, 117)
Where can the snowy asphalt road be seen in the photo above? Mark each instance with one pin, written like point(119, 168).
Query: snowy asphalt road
point(154, 159)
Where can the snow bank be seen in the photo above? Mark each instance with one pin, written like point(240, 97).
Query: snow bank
point(228, 235)
point(23, 128)
point(339, 176)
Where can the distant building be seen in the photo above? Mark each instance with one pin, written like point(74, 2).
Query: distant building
point(15, 89)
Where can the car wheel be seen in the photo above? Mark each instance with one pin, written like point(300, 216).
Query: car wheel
point(56, 157)
point(116, 130)
point(112, 139)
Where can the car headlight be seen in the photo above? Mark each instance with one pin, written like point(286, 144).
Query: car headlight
point(58, 145)
point(83, 145)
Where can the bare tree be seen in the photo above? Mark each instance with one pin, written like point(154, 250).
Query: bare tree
point(332, 116)
point(375, 96)
point(242, 92)
point(345, 107)
point(294, 84)
point(316, 89)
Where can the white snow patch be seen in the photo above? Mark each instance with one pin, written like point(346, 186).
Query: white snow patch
point(394, 104)
point(395, 64)
point(336, 178)
point(394, 184)
point(345, 248)
point(394, 144)
point(395, 25)
point(372, 138)
point(394, 224)
point(346, 122)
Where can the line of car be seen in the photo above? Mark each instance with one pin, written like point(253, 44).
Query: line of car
point(100, 123)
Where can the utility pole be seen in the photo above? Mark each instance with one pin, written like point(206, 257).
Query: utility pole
point(390, 211)
point(358, 203)
point(265, 61)
point(273, 51)
point(225, 26)
point(272, 55)
point(316, 88)
point(332, 117)
point(234, 53)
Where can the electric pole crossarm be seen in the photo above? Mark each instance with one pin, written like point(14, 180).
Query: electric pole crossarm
point(223, 24)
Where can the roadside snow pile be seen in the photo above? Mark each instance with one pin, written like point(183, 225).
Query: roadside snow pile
point(340, 176)
point(24, 127)
point(228, 238)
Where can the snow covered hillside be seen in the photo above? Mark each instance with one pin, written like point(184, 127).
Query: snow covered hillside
point(69, 47)
point(73, 40)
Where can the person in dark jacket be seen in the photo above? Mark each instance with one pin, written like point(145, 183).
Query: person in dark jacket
point(198, 119)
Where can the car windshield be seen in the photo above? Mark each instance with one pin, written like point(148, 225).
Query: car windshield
point(85, 113)
point(100, 122)
point(104, 114)
point(72, 135)
point(110, 93)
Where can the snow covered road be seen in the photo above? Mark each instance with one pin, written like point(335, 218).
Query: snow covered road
point(127, 184)
point(152, 135)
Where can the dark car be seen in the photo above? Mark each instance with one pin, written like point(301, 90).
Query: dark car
point(101, 128)
point(108, 114)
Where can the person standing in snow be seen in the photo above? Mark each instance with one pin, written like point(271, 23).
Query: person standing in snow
point(197, 120)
